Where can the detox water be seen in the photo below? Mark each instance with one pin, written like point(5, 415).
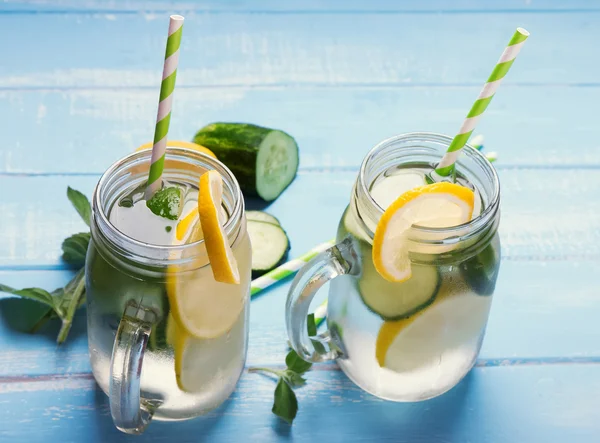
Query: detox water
point(413, 340)
point(184, 373)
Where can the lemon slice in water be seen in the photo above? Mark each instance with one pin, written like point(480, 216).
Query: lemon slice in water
point(439, 205)
point(205, 313)
point(454, 319)
point(202, 301)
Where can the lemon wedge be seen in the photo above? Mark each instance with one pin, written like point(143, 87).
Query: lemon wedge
point(439, 205)
point(222, 261)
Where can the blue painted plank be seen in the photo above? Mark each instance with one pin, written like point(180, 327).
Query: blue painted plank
point(276, 6)
point(551, 403)
point(547, 214)
point(262, 49)
point(88, 130)
point(538, 315)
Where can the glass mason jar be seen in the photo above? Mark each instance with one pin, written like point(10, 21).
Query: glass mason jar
point(413, 340)
point(141, 357)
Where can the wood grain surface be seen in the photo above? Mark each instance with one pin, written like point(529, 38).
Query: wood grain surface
point(79, 89)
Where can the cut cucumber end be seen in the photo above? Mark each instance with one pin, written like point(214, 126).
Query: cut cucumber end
point(276, 164)
point(270, 246)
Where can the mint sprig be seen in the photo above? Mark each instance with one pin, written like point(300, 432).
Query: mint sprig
point(75, 248)
point(81, 204)
point(285, 404)
point(63, 302)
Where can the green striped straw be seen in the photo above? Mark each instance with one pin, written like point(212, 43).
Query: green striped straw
point(446, 165)
point(286, 269)
point(321, 313)
point(289, 268)
point(163, 117)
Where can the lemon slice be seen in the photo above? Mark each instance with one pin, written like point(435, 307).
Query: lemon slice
point(201, 303)
point(449, 323)
point(181, 144)
point(221, 257)
point(202, 362)
point(439, 205)
point(183, 226)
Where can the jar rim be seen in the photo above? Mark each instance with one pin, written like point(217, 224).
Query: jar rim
point(420, 233)
point(152, 252)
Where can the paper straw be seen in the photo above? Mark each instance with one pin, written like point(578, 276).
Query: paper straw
point(286, 269)
point(491, 156)
point(446, 165)
point(163, 117)
point(321, 313)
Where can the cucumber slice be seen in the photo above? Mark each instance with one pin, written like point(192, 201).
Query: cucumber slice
point(481, 270)
point(263, 160)
point(395, 301)
point(262, 217)
point(270, 246)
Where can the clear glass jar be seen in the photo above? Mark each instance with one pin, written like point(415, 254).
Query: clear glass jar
point(140, 356)
point(414, 340)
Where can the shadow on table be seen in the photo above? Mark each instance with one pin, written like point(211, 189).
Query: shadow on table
point(256, 204)
point(197, 430)
point(350, 411)
point(21, 315)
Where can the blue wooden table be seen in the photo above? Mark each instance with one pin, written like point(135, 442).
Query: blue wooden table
point(79, 87)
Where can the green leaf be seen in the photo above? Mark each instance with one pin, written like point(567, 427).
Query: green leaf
point(49, 314)
point(69, 302)
point(319, 347)
point(81, 204)
point(294, 379)
point(166, 203)
point(295, 363)
point(62, 301)
point(311, 326)
point(285, 405)
point(36, 294)
point(75, 248)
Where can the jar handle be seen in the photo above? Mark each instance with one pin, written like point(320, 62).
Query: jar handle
point(340, 259)
point(131, 414)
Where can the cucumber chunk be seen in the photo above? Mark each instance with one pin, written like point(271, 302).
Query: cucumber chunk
point(395, 301)
point(270, 246)
point(262, 217)
point(481, 270)
point(263, 160)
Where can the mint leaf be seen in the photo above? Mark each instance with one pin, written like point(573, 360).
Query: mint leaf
point(294, 379)
point(37, 294)
point(166, 203)
point(311, 326)
point(48, 315)
point(81, 204)
point(62, 301)
point(295, 363)
point(285, 405)
point(75, 248)
point(69, 299)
